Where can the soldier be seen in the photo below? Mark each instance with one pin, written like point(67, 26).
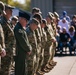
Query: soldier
point(2, 42)
point(8, 38)
point(32, 64)
point(22, 46)
point(53, 40)
point(14, 21)
point(44, 40)
point(36, 10)
point(39, 38)
point(56, 15)
point(47, 50)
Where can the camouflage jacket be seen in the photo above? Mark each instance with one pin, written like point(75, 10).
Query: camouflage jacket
point(2, 43)
point(32, 39)
point(8, 33)
point(49, 35)
point(44, 37)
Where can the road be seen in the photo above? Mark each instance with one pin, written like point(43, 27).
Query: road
point(66, 65)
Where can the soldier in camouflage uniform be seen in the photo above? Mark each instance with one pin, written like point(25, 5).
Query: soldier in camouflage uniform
point(43, 42)
point(52, 29)
point(8, 38)
point(32, 64)
point(47, 50)
point(54, 25)
point(2, 43)
point(39, 40)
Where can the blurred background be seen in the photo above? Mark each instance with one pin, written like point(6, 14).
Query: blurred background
point(45, 5)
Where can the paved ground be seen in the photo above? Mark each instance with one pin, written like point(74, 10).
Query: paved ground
point(66, 65)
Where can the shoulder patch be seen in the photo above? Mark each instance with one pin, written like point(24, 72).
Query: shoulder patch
point(20, 31)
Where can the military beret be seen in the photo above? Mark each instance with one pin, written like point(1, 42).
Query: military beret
point(35, 9)
point(33, 20)
point(24, 14)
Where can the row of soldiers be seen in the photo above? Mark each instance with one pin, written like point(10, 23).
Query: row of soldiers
point(35, 42)
point(40, 43)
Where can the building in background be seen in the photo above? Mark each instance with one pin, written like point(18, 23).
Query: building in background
point(55, 5)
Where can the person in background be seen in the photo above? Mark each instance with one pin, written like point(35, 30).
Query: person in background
point(71, 33)
point(64, 15)
point(64, 23)
point(73, 22)
point(59, 29)
point(65, 41)
point(14, 21)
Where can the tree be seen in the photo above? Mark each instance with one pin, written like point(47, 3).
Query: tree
point(28, 5)
point(25, 6)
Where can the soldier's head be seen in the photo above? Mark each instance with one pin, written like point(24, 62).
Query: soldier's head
point(44, 23)
point(24, 17)
point(8, 10)
point(64, 30)
point(56, 15)
point(33, 24)
point(2, 8)
point(14, 20)
point(38, 17)
point(50, 17)
point(36, 10)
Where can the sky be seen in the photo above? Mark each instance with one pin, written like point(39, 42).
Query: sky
point(21, 1)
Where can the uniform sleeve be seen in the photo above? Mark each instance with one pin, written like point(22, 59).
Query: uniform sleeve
point(22, 41)
point(2, 37)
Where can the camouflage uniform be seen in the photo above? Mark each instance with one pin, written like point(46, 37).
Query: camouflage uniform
point(9, 38)
point(47, 47)
point(51, 63)
point(2, 44)
point(2, 37)
point(31, 59)
point(38, 37)
point(43, 42)
point(41, 51)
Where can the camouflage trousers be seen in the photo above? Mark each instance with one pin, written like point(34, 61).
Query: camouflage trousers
point(52, 52)
point(46, 56)
point(41, 59)
point(38, 53)
point(52, 49)
point(6, 63)
point(31, 64)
